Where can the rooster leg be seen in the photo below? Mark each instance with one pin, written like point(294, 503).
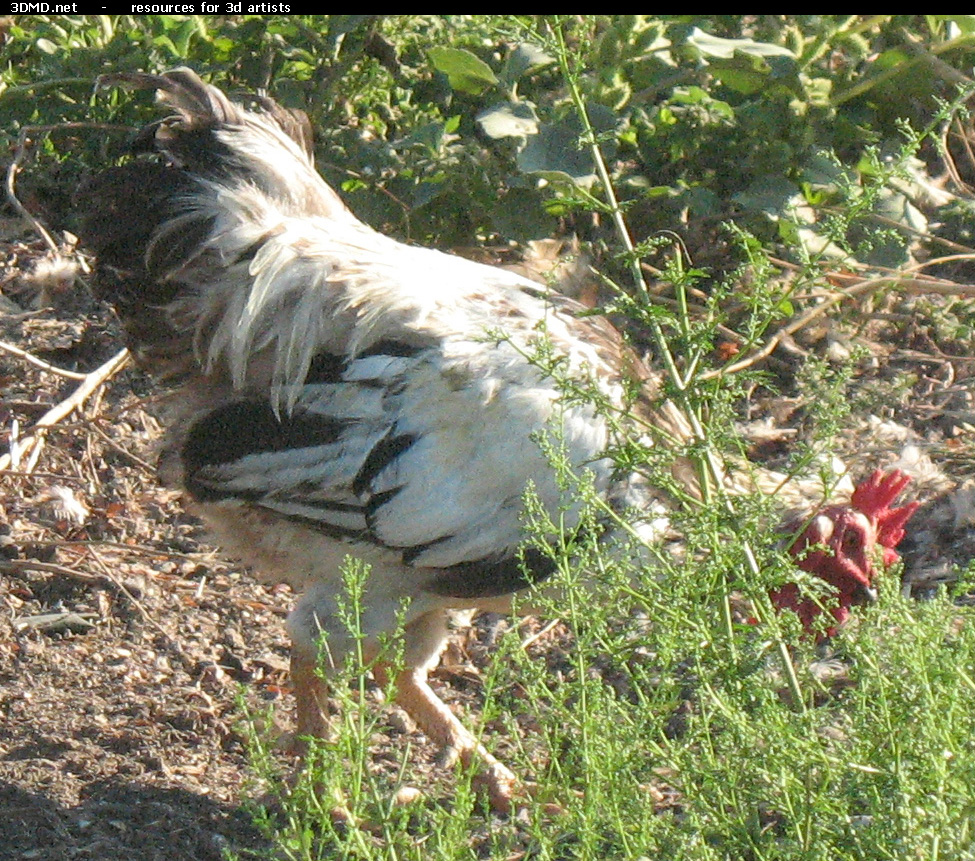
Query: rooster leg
point(311, 699)
point(310, 658)
point(425, 640)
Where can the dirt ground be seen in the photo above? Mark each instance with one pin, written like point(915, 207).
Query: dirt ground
point(126, 640)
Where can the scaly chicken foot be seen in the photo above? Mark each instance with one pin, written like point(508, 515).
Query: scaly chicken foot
point(438, 722)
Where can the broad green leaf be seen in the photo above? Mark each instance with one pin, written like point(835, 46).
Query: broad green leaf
point(509, 120)
point(742, 80)
point(725, 49)
point(748, 73)
point(699, 201)
point(891, 58)
point(965, 23)
point(815, 244)
point(555, 150)
point(823, 175)
point(430, 137)
point(521, 59)
point(163, 41)
point(466, 72)
point(776, 196)
point(896, 207)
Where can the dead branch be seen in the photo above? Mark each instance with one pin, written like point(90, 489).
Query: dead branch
point(109, 575)
point(152, 552)
point(138, 461)
point(91, 383)
point(949, 159)
point(920, 284)
point(540, 633)
point(781, 335)
point(16, 566)
point(40, 363)
point(855, 285)
point(20, 152)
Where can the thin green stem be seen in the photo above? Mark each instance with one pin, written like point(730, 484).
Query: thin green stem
point(711, 471)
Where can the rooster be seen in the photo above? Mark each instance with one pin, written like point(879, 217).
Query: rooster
point(334, 392)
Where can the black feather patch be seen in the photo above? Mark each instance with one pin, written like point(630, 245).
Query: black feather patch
point(486, 578)
point(410, 554)
point(121, 210)
point(377, 501)
point(198, 149)
point(243, 428)
point(329, 368)
point(175, 247)
point(388, 347)
point(383, 453)
point(325, 368)
point(333, 530)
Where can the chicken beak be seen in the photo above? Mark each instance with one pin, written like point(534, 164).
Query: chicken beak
point(865, 595)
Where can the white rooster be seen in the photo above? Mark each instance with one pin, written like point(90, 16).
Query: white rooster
point(336, 391)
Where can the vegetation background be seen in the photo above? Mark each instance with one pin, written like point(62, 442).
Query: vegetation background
point(778, 209)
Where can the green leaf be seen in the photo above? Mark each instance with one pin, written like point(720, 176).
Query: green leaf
point(897, 207)
point(466, 73)
point(555, 150)
point(725, 49)
point(163, 41)
point(744, 65)
point(776, 197)
point(700, 202)
point(965, 23)
point(750, 73)
point(822, 175)
point(524, 58)
point(429, 137)
point(509, 120)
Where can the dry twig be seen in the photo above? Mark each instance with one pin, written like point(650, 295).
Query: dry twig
point(138, 461)
point(27, 134)
point(16, 566)
point(40, 363)
point(91, 383)
point(108, 574)
point(856, 285)
point(549, 626)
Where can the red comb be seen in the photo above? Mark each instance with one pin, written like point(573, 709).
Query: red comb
point(873, 498)
point(852, 576)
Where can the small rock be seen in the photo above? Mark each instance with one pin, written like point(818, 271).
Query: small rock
point(406, 795)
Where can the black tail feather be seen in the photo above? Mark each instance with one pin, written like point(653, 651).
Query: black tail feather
point(174, 229)
point(202, 107)
point(122, 211)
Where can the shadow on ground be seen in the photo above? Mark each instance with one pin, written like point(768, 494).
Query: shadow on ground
point(120, 821)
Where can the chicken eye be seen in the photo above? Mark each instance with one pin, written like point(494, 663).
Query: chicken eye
point(851, 542)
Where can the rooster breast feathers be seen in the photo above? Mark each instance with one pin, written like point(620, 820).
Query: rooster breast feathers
point(380, 393)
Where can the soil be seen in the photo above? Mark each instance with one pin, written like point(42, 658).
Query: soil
point(131, 650)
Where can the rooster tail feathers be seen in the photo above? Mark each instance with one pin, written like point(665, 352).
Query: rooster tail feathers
point(191, 246)
point(216, 139)
point(183, 89)
point(199, 103)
